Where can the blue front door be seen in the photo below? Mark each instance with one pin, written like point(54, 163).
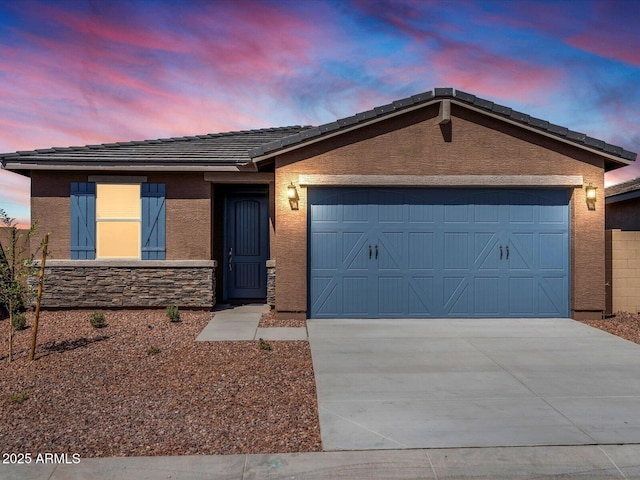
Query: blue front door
point(246, 246)
point(438, 252)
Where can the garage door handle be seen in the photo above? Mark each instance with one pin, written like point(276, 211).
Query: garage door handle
point(376, 252)
point(507, 252)
point(369, 252)
point(500, 252)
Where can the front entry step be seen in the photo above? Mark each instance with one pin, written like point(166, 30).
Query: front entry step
point(240, 323)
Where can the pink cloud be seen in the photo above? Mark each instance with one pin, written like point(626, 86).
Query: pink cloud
point(257, 43)
point(604, 28)
point(14, 188)
point(616, 45)
point(107, 77)
point(116, 24)
point(469, 67)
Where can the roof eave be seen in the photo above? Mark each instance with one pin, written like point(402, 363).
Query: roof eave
point(621, 197)
point(24, 167)
point(617, 161)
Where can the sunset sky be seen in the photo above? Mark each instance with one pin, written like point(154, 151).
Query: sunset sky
point(83, 72)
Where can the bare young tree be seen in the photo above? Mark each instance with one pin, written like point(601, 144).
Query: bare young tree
point(16, 265)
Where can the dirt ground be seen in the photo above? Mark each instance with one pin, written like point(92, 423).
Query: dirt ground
point(143, 386)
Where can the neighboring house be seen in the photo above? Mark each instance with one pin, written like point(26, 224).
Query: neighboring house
point(437, 205)
point(623, 206)
point(622, 211)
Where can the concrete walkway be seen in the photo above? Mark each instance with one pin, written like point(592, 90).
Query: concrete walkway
point(569, 463)
point(449, 383)
point(231, 323)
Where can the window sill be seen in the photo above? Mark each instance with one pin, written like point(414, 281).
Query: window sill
point(133, 263)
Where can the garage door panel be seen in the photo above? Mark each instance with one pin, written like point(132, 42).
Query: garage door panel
point(324, 213)
point(486, 295)
point(391, 207)
point(420, 254)
point(354, 251)
point(355, 213)
point(522, 214)
point(522, 250)
point(421, 296)
point(456, 213)
point(421, 213)
point(354, 303)
point(389, 251)
point(324, 254)
point(392, 296)
point(486, 213)
point(457, 297)
point(439, 252)
point(325, 301)
point(486, 252)
point(521, 302)
point(456, 250)
point(552, 254)
point(551, 294)
point(550, 215)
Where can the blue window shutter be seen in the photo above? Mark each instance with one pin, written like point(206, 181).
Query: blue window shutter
point(153, 221)
point(83, 220)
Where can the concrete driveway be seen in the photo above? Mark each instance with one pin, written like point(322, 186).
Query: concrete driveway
point(433, 383)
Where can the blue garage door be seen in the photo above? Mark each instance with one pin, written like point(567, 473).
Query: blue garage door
point(389, 253)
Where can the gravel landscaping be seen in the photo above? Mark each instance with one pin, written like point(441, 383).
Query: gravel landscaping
point(623, 324)
point(143, 386)
point(270, 319)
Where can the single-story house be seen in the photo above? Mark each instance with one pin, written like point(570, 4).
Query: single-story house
point(441, 204)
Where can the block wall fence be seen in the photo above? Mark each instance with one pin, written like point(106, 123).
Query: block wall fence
point(622, 271)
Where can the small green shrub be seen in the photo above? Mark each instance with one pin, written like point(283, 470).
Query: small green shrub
point(173, 314)
point(264, 345)
point(19, 321)
point(153, 351)
point(96, 319)
point(19, 398)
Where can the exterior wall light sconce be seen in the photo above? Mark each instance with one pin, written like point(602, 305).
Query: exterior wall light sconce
point(591, 196)
point(292, 193)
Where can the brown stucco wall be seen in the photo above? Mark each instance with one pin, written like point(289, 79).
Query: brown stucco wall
point(188, 210)
point(623, 215)
point(414, 144)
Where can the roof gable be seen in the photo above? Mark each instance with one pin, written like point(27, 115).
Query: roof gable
point(615, 156)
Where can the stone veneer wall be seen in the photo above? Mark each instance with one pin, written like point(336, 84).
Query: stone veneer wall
point(139, 284)
point(271, 283)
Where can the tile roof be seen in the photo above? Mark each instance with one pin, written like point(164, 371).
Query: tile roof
point(220, 149)
point(460, 97)
point(620, 188)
